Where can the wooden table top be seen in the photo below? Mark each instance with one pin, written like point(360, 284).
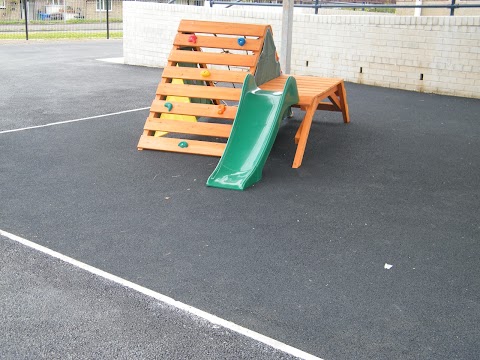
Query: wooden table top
point(309, 87)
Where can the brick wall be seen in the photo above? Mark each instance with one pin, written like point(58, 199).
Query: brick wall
point(391, 51)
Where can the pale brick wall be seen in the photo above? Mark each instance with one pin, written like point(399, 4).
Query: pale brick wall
point(392, 51)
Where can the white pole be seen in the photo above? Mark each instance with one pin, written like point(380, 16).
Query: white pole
point(418, 11)
point(287, 27)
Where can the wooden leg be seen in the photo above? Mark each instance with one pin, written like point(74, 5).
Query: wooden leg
point(299, 131)
point(305, 130)
point(343, 102)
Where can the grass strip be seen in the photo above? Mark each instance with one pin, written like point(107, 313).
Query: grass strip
point(49, 35)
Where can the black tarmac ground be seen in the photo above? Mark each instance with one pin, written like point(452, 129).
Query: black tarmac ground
point(299, 257)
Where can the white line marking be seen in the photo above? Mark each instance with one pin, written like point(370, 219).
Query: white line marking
point(118, 60)
point(165, 299)
point(71, 121)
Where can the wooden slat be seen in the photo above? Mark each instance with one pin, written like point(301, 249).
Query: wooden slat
point(210, 27)
point(216, 42)
point(335, 102)
point(205, 110)
point(185, 73)
point(308, 89)
point(194, 128)
point(197, 91)
point(327, 107)
point(307, 80)
point(211, 58)
point(305, 100)
point(316, 79)
point(171, 144)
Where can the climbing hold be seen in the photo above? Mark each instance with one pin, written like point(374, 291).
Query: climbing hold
point(221, 109)
point(183, 144)
point(168, 105)
point(192, 39)
point(205, 73)
point(241, 41)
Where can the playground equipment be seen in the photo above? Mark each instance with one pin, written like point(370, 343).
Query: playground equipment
point(208, 58)
point(200, 46)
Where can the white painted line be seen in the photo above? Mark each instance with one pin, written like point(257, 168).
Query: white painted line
point(74, 120)
point(165, 299)
point(118, 60)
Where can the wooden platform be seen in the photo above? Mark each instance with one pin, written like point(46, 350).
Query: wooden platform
point(312, 92)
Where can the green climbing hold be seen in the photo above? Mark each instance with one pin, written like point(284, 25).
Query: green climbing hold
point(183, 144)
point(168, 106)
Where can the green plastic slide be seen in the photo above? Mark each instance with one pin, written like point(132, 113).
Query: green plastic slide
point(253, 134)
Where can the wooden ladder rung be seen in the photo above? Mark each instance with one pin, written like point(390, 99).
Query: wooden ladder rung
point(200, 57)
point(198, 91)
point(171, 144)
point(186, 127)
point(216, 42)
point(205, 110)
point(209, 27)
point(186, 73)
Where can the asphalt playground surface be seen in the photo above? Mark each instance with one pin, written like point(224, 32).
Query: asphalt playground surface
point(300, 257)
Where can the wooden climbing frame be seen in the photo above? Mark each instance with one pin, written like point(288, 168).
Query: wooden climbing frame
point(205, 45)
point(215, 46)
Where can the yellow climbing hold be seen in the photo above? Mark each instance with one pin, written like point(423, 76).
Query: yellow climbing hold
point(177, 99)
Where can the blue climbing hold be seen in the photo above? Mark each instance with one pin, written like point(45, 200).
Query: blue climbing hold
point(241, 41)
point(168, 106)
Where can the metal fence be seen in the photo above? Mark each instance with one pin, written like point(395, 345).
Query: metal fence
point(389, 6)
point(57, 19)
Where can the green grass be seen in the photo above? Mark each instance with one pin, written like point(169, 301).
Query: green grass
point(52, 35)
point(86, 21)
point(72, 21)
point(12, 22)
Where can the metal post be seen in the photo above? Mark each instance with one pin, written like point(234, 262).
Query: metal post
point(316, 7)
point(108, 22)
point(26, 19)
point(287, 29)
point(452, 9)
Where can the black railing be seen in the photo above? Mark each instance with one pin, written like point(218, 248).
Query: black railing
point(335, 5)
point(79, 20)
